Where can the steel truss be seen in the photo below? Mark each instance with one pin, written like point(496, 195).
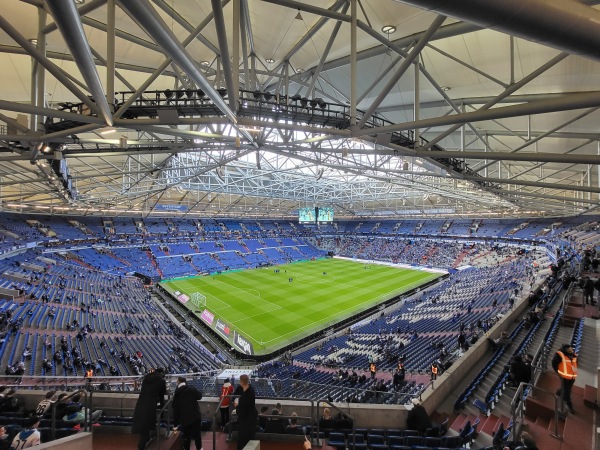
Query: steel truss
point(242, 136)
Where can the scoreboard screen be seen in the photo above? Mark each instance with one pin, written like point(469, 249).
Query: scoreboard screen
point(315, 215)
point(325, 215)
point(306, 215)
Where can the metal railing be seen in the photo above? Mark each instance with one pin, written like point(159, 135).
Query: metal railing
point(232, 397)
point(539, 367)
point(159, 415)
point(517, 407)
point(122, 383)
point(86, 407)
point(304, 389)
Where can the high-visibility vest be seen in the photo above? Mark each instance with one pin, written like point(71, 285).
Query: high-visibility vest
point(434, 370)
point(372, 368)
point(567, 368)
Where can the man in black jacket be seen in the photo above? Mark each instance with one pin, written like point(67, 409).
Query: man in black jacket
point(152, 393)
point(417, 417)
point(246, 412)
point(186, 413)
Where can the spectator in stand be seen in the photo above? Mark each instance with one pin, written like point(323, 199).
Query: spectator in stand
point(398, 378)
point(29, 437)
point(151, 395)
point(5, 442)
point(10, 402)
point(262, 418)
point(502, 341)
point(519, 371)
point(293, 427)
point(326, 422)
point(61, 404)
point(462, 341)
point(226, 390)
point(76, 412)
point(45, 406)
point(246, 412)
point(275, 424)
point(588, 291)
point(417, 418)
point(186, 413)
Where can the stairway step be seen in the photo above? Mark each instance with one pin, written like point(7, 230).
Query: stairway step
point(459, 421)
point(543, 422)
point(589, 395)
point(489, 425)
point(561, 426)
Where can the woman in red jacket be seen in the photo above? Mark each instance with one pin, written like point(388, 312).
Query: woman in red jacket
point(226, 389)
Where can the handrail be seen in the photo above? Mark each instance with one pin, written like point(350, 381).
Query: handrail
point(74, 381)
point(159, 415)
point(543, 350)
point(424, 388)
point(517, 407)
point(214, 421)
point(345, 389)
point(270, 399)
point(68, 397)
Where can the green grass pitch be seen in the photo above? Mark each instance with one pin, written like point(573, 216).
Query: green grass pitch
point(270, 311)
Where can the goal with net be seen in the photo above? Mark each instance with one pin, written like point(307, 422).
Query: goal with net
point(198, 300)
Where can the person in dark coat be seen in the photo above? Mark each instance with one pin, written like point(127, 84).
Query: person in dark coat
point(186, 413)
point(520, 370)
point(144, 416)
point(246, 411)
point(417, 417)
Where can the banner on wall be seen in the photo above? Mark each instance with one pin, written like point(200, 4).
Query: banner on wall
point(242, 344)
point(223, 328)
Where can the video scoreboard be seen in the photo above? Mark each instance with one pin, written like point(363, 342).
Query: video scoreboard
point(315, 215)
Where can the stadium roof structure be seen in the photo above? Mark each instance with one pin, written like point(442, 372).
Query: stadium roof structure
point(253, 108)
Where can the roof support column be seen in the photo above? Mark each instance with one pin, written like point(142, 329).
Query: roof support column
point(245, 28)
point(416, 103)
point(236, 52)
point(110, 53)
point(145, 15)
point(224, 49)
point(353, 61)
point(160, 69)
point(69, 23)
point(38, 74)
point(325, 54)
point(414, 53)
